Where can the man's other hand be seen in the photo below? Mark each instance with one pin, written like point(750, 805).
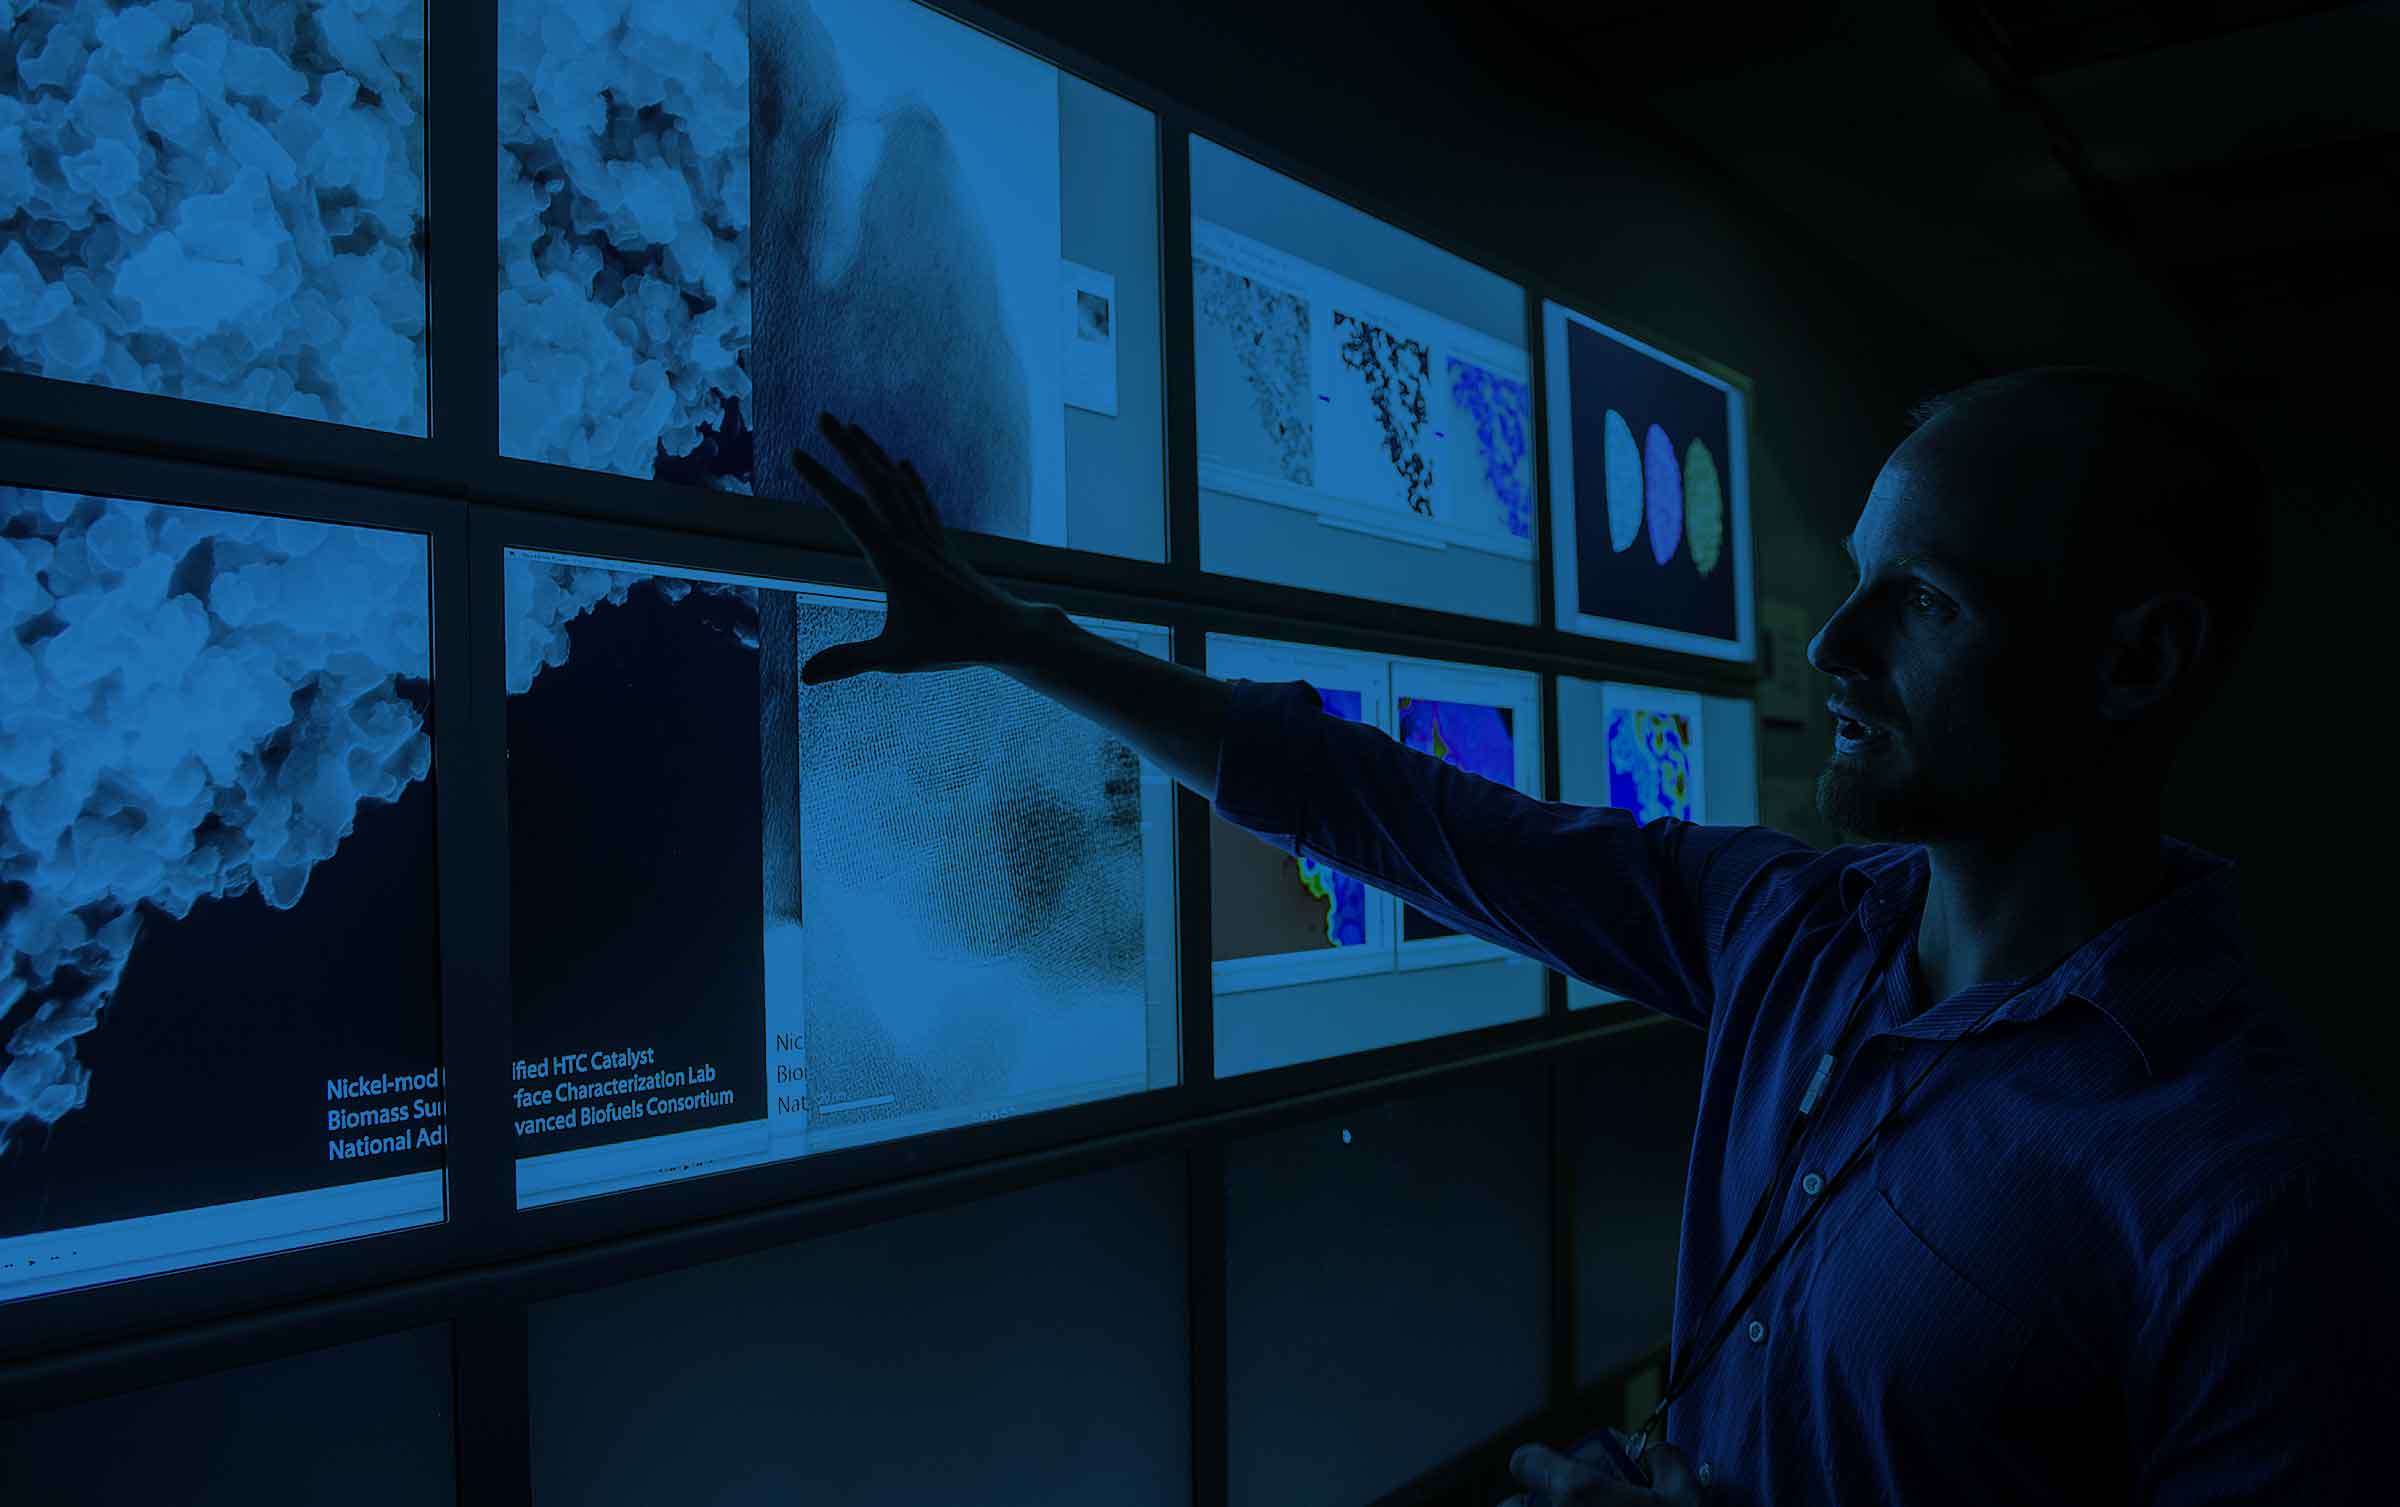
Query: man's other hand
point(1551, 1479)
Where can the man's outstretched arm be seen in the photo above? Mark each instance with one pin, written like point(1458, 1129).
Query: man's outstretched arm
point(1636, 909)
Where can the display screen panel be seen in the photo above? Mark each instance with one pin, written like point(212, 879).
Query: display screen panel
point(1363, 401)
point(1650, 493)
point(719, 219)
point(753, 920)
point(219, 200)
point(1653, 752)
point(1311, 962)
point(220, 1016)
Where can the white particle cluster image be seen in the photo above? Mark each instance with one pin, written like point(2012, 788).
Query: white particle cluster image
point(219, 200)
point(544, 596)
point(193, 704)
point(625, 313)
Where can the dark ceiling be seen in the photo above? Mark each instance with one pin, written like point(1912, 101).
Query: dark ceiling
point(2209, 182)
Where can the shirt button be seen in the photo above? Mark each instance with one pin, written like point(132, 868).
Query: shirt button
point(1758, 1331)
point(1704, 1472)
point(1812, 1185)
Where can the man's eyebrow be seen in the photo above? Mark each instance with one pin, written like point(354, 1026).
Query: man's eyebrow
point(1951, 568)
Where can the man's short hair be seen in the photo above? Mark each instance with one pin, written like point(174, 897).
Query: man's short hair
point(2177, 501)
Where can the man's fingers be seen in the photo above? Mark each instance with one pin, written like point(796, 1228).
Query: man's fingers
point(866, 444)
point(1670, 1474)
point(1544, 1469)
point(838, 662)
point(830, 486)
point(859, 515)
point(1555, 1478)
point(919, 498)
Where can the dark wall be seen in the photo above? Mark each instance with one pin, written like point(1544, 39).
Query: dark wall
point(2287, 775)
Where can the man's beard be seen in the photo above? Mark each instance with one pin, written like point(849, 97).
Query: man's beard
point(1878, 796)
point(1875, 796)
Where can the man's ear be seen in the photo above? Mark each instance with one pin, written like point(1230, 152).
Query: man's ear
point(2151, 652)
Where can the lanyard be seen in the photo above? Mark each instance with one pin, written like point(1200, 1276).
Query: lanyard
point(1791, 1138)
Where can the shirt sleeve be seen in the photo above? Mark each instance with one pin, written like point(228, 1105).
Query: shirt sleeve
point(1638, 909)
point(2263, 1370)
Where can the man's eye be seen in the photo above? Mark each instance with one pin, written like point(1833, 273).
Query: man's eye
point(1919, 591)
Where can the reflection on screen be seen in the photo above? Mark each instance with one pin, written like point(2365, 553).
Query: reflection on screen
point(753, 920)
point(1266, 902)
point(220, 200)
point(1478, 739)
point(219, 1026)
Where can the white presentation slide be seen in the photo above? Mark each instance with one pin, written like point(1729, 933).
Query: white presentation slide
point(1322, 394)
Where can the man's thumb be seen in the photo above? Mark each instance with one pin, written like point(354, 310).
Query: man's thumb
point(839, 662)
point(1670, 1473)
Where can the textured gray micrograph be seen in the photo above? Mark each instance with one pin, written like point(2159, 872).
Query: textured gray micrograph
point(906, 338)
point(972, 866)
point(1268, 330)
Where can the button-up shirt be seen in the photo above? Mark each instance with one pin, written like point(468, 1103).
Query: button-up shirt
point(2129, 1241)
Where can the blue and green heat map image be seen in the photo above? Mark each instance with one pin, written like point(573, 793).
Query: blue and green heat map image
point(1650, 763)
point(1345, 898)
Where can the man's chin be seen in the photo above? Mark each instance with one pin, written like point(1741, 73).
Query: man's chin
point(1867, 810)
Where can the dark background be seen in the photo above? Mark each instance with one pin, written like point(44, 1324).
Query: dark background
point(635, 902)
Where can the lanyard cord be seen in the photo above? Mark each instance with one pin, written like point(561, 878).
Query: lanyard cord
point(1675, 1388)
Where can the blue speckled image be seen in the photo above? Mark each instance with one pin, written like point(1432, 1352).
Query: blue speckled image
point(1494, 414)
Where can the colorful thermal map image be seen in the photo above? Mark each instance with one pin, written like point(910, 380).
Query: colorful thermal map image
point(1268, 903)
point(1650, 763)
point(1478, 739)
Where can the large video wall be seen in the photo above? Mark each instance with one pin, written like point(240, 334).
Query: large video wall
point(745, 921)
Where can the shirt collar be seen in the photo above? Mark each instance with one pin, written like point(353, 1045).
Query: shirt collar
point(2159, 975)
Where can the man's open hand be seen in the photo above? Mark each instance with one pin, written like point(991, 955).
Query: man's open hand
point(940, 613)
point(1551, 1479)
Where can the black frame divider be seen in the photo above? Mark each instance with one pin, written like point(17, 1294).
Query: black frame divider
point(480, 1268)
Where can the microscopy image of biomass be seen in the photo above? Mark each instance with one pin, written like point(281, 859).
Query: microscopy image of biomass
point(1255, 398)
point(215, 857)
point(1478, 739)
point(625, 312)
point(220, 200)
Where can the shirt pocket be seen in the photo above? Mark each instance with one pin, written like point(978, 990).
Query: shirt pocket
point(1906, 1349)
